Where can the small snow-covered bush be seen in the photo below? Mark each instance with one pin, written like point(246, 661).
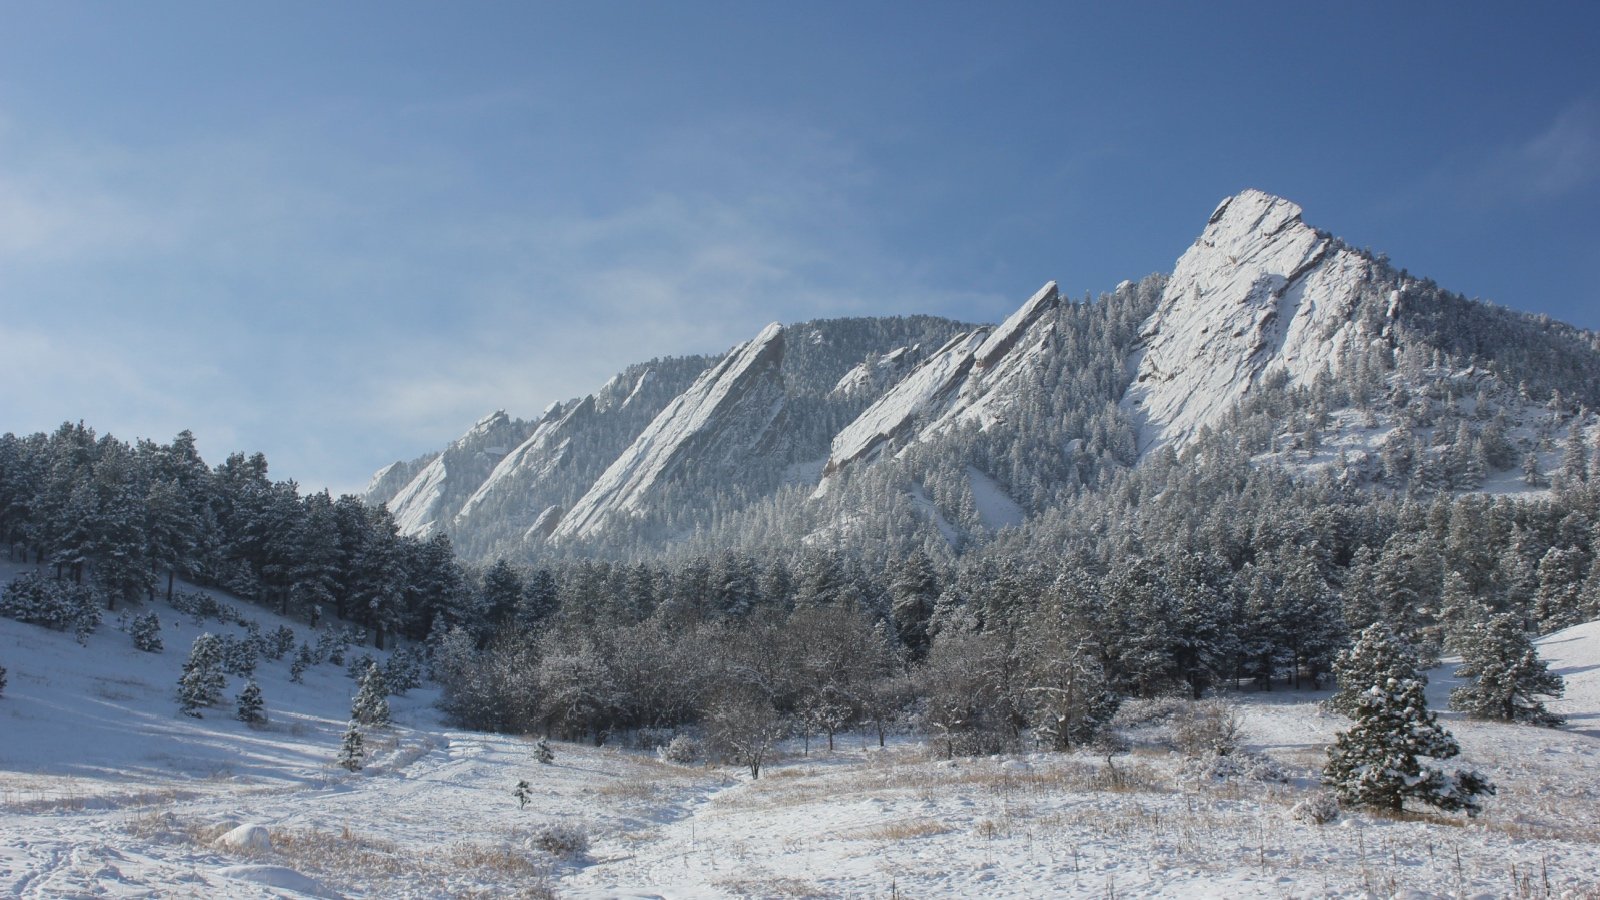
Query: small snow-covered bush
point(1207, 727)
point(682, 749)
point(145, 629)
point(59, 605)
point(543, 753)
point(1240, 765)
point(562, 839)
point(1320, 808)
point(2, 680)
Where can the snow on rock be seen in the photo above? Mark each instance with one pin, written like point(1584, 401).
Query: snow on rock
point(545, 524)
point(970, 378)
point(1258, 292)
point(719, 419)
point(996, 509)
point(253, 838)
point(535, 458)
point(280, 877)
point(871, 375)
point(456, 472)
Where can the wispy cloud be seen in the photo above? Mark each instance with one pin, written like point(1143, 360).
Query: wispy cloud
point(338, 311)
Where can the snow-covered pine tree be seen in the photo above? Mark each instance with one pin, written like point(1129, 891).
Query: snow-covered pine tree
point(1508, 675)
point(280, 642)
point(1377, 656)
point(371, 705)
point(523, 793)
point(2, 680)
point(145, 629)
point(239, 657)
point(202, 680)
point(351, 751)
point(1376, 762)
point(252, 710)
point(543, 753)
point(303, 660)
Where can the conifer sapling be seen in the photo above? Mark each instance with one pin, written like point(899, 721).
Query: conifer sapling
point(351, 752)
point(252, 710)
point(371, 705)
point(523, 793)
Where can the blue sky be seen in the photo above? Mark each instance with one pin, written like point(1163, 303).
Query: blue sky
point(340, 233)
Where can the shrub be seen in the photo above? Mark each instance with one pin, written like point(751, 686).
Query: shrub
point(562, 839)
point(1240, 765)
point(1207, 727)
point(682, 749)
point(1320, 808)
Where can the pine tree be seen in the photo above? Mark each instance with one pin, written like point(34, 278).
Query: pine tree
point(351, 751)
point(145, 629)
point(523, 793)
point(303, 659)
point(1377, 656)
point(543, 753)
point(2, 680)
point(252, 710)
point(1507, 675)
point(1376, 762)
point(371, 705)
point(202, 680)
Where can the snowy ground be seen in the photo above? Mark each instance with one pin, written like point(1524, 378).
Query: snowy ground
point(105, 790)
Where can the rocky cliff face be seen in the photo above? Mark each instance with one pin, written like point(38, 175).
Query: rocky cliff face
point(1259, 292)
point(971, 378)
point(723, 418)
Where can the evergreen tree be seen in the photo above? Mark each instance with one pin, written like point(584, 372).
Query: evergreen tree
point(1377, 656)
point(371, 704)
point(1376, 762)
point(145, 629)
point(252, 710)
point(543, 753)
point(1507, 674)
point(202, 680)
point(523, 792)
point(2, 680)
point(351, 750)
point(303, 660)
point(912, 594)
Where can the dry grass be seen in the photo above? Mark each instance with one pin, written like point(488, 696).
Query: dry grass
point(772, 887)
point(637, 788)
point(903, 830)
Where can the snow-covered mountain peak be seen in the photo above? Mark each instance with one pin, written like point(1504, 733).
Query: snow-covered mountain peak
point(967, 379)
point(1259, 291)
point(717, 421)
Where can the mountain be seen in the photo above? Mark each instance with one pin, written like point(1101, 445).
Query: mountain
point(724, 418)
point(971, 378)
point(1259, 292)
point(1271, 344)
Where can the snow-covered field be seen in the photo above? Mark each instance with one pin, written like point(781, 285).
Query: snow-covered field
point(105, 790)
